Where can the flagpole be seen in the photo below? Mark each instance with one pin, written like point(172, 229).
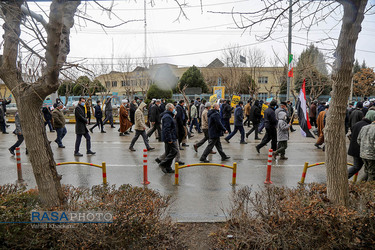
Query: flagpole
point(289, 49)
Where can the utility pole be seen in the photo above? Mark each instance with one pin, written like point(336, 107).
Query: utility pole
point(289, 48)
point(145, 25)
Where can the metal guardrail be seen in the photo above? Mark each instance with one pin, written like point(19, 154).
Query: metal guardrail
point(177, 168)
point(103, 167)
point(307, 166)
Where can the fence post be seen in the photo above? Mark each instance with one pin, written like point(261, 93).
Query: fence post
point(234, 173)
point(104, 171)
point(304, 173)
point(19, 168)
point(269, 165)
point(145, 176)
point(176, 173)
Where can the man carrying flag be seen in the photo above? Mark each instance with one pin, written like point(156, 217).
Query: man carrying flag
point(302, 112)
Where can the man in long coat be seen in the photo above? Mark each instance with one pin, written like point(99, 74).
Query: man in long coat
point(125, 123)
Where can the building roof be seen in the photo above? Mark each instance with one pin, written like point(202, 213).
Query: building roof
point(216, 64)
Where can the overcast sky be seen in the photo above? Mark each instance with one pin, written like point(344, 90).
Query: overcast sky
point(197, 40)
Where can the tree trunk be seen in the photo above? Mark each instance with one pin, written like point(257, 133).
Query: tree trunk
point(40, 152)
point(334, 132)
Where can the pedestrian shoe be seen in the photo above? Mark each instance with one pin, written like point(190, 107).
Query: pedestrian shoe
point(62, 146)
point(324, 148)
point(11, 151)
point(213, 152)
point(91, 130)
point(243, 142)
point(170, 171)
point(274, 154)
point(257, 138)
point(122, 134)
point(226, 140)
point(157, 160)
point(103, 131)
point(317, 145)
point(204, 160)
point(5, 133)
point(225, 158)
point(292, 130)
point(127, 133)
point(90, 152)
point(185, 145)
point(113, 127)
point(52, 131)
point(150, 149)
point(181, 163)
point(195, 148)
point(257, 149)
point(247, 135)
point(132, 149)
point(190, 136)
point(27, 152)
point(283, 157)
point(200, 132)
point(181, 148)
point(78, 154)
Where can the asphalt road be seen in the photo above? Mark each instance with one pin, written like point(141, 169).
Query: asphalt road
point(203, 193)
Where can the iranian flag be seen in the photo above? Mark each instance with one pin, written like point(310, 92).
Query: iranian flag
point(290, 70)
point(303, 117)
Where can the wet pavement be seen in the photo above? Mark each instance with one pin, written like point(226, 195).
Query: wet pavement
point(203, 193)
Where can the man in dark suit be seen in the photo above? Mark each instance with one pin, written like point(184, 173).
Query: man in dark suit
point(81, 129)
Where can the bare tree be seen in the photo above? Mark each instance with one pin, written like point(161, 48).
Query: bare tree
point(233, 71)
point(50, 42)
point(306, 14)
point(256, 60)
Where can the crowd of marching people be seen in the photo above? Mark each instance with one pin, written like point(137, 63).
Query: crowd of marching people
point(174, 123)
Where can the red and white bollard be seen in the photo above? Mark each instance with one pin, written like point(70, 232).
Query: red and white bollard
point(269, 165)
point(145, 177)
point(19, 168)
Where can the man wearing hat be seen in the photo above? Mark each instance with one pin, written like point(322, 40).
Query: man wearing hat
point(270, 123)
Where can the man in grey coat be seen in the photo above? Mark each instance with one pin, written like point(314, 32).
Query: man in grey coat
point(108, 112)
point(366, 140)
point(81, 129)
point(19, 134)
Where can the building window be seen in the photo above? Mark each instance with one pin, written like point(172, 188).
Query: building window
point(123, 83)
point(108, 84)
point(263, 79)
point(114, 84)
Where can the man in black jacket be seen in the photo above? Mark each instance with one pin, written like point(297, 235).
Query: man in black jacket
point(169, 136)
point(133, 108)
point(155, 119)
point(270, 123)
point(181, 121)
point(81, 129)
point(98, 115)
point(227, 113)
point(215, 129)
point(255, 116)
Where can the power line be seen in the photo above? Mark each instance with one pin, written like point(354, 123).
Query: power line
point(184, 54)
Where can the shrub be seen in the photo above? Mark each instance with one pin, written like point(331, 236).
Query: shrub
point(303, 217)
point(139, 221)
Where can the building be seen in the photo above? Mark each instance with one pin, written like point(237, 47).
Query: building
point(266, 81)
